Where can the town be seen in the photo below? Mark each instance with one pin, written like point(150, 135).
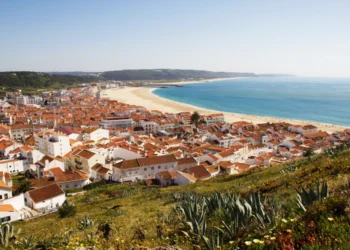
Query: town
point(67, 139)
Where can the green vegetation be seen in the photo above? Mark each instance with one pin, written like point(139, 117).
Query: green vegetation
point(167, 74)
point(258, 209)
point(67, 210)
point(31, 82)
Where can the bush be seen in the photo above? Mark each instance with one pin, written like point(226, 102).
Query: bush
point(95, 185)
point(67, 210)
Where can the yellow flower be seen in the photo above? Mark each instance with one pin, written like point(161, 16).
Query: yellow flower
point(122, 241)
point(267, 236)
point(231, 242)
point(81, 244)
point(331, 219)
point(289, 230)
point(284, 221)
point(256, 241)
point(273, 238)
point(292, 220)
point(261, 242)
point(248, 243)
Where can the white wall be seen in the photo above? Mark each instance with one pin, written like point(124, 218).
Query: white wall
point(14, 216)
point(16, 201)
point(46, 204)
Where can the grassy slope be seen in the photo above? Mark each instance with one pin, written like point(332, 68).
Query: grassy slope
point(141, 209)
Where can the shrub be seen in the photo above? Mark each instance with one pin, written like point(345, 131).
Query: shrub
point(95, 185)
point(67, 210)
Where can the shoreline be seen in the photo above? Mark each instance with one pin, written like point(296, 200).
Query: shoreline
point(143, 96)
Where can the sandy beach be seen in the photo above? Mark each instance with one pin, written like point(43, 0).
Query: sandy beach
point(143, 96)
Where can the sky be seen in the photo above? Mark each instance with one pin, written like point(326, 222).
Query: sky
point(306, 38)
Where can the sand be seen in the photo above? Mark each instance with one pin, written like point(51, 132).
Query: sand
point(143, 96)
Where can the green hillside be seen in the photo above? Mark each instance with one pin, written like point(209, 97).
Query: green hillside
point(29, 82)
point(167, 74)
point(258, 209)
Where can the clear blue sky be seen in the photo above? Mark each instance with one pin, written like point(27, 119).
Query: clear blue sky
point(303, 37)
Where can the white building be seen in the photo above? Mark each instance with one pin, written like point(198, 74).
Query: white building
point(48, 197)
point(116, 122)
point(12, 166)
point(52, 143)
point(214, 118)
point(5, 191)
point(8, 213)
point(143, 168)
point(95, 134)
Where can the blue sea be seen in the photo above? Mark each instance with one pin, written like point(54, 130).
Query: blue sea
point(324, 100)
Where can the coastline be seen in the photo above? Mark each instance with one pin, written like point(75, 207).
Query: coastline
point(143, 96)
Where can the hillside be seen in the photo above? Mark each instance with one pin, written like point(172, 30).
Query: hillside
point(31, 81)
point(167, 74)
point(257, 209)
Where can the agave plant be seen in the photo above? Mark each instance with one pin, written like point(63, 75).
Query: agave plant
point(214, 241)
point(306, 198)
point(86, 222)
point(7, 233)
point(194, 212)
point(26, 243)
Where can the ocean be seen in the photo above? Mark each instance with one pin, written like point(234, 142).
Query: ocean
point(324, 100)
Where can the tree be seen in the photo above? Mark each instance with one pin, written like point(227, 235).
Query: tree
point(308, 153)
point(195, 118)
point(24, 187)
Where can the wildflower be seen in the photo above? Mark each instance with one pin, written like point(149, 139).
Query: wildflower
point(261, 242)
point(231, 242)
point(331, 219)
point(292, 220)
point(256, 241)
point(289, 230)
point(267, 236)
point(117, 239)
point(248, 243)
point(273, 238)
point(122, 241)
point(284, 221)
point(81, 244)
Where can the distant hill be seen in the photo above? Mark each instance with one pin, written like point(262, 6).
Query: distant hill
point(168, 74)
point(30, 81)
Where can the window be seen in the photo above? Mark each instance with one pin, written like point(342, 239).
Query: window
point(145, 169)
point(159, 167)
point(6, 196)
point(152, 168)
point(0, 197)
point(4, 219)
point(25, 199)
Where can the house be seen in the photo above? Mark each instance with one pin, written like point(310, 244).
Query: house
point(228, 167)
point(95, 134)
point(52, 143)
point(184, 178)
point(71, 179)
point(84, 160)
point(99, 172)
point(5, 191)
point(185, 163)
point(199, 172)
point(8, 213)
point(45, 198)
point(6, 178)
point(214, 118)
point(12, 166)
point(166, 178)
point(143, 168)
